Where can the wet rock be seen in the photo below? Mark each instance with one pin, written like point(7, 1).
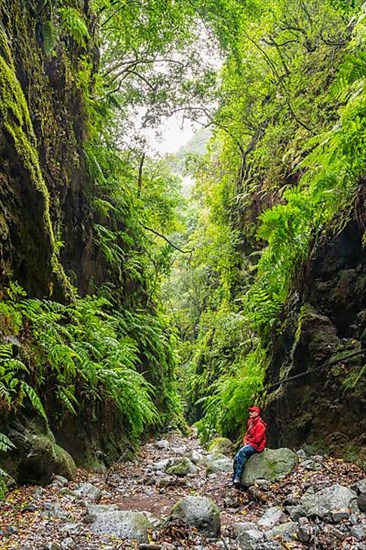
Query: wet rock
point(123, 524)
point(88, 492)
point(221, 445)
point(181, 467)
point(198, 512)
point(216, 463)
point(270, 465)
point(271, 517)
point(326, 502)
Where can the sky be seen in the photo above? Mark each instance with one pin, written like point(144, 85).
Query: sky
point(170, 136)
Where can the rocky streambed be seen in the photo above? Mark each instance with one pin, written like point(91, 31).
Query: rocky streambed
point(177, 495)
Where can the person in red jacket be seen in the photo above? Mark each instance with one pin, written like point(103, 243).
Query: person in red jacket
point(254, 442)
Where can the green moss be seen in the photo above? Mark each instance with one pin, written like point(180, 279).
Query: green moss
point(16, 121)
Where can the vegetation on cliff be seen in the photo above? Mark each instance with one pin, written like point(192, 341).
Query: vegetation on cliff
point(111, 245)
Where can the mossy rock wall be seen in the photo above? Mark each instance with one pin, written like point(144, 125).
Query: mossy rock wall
point(325, 320)
point(44, 185)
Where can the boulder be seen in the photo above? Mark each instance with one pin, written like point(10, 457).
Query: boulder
point(198, 512)
point(38, 457)
point(181, 467)
point(359, 486)
point(328, 502)
point(195, 456)
point(123, 524)
point(218, 463)
point(270, 465)
point(221, 445)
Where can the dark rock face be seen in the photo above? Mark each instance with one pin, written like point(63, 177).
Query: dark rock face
point(325, 320)
point(44, 184)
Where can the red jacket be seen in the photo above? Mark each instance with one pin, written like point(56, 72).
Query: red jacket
point(256, 434)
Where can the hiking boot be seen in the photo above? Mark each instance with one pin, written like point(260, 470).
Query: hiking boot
point(237, 481)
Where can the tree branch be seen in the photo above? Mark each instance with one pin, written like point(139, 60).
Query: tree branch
point(167, 240)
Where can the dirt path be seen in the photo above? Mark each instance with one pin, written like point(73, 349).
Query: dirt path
point(53, 518)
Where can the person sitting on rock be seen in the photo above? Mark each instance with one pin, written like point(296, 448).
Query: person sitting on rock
point(254, 442)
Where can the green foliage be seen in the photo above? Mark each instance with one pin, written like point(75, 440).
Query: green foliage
point(287, 155)
point(74, 24)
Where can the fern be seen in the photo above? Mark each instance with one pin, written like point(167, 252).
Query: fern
point(5, 444)
point(50, 37)
point(73, 23)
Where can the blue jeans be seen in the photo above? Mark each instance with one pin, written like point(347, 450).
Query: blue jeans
point(240, 459)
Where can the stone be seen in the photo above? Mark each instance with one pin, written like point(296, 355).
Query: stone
point(59, 481)
point(221, 445)
point(270, 465)
point(271, 517)
point(181, 467)
point(358, 532)
point(88, 492)
point(198, 512)
point(248, 535)
point(195, 456)
point(39, 457)
point(326, 502)
point(304, 531)
point(216, 463)
point(161, 465)
point(340, 515)
point(361, 502)
point(123, 524)
point(162, 444)
point(359, 486)
point(284, 530)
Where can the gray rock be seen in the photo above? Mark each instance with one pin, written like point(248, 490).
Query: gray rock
point(181, 467)
point(247, 535)
point(59, 481)
point(199, 512)
point(216, 463)
point(271, 517)
point(270, 465)
point(304, 531)
point(295, 512)
point(284, 530)
point(95, 509)
point(358, 532)
point(161, 465)
point(301, 454)
point(125, 525)
point(68, 544)
point(340, 515)
point(88, 492)
point(359, 486)
point(221, 445)
point(326, 502)
point(195, 456)
point(162, 444)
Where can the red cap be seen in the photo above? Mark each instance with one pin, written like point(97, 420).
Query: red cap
point(255, 409)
